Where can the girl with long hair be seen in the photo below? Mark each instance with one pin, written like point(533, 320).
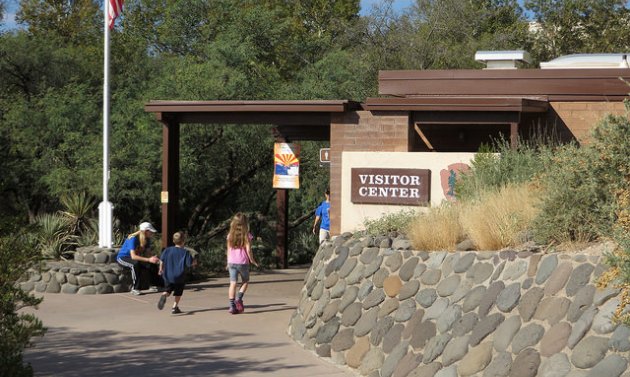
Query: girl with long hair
point(239, 256)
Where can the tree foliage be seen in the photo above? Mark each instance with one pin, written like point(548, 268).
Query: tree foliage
point(579, 26)
point(16, 329)
point(51, 88)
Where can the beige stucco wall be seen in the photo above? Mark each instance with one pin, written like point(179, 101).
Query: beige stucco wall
point(353, 215)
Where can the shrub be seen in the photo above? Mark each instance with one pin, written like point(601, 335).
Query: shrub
point(52, 233)
point(16, 329)
point(499, 165)
point(499, 218)
point(391, 222)
point(438, 229)
point(611, 145)
point(79, 210)
point(583, 186)
point(59, 233)
point(303, 245)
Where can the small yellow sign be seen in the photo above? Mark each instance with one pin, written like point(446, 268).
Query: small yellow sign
point(164, 197)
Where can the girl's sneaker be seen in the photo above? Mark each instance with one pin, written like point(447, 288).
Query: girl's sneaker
point(232, 310)
point(161, 302)
point(239, 306)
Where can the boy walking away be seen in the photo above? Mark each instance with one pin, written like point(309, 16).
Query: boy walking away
point(173, 264)
point(239, 256)
point(323, 213)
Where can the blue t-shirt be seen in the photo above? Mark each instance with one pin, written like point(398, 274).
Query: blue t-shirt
point(323, 211)
point(132, 243)
point(175, 260)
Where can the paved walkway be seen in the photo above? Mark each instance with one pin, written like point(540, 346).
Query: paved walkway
point(124, 335)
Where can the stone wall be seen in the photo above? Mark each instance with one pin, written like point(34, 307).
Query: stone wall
point(382, 309)
point(93, 271)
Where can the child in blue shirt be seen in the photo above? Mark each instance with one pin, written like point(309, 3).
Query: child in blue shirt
point(323, 213)
point(173, 264)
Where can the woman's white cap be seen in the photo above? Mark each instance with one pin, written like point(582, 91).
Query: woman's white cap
point(147, 226)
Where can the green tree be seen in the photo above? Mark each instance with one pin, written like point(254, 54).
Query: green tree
point(16, 329)
point(579, 26)
point(74, 21)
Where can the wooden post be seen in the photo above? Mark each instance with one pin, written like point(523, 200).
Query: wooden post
point(170, 180)
point(282, 229)
point(282, 204)
point(513, 135)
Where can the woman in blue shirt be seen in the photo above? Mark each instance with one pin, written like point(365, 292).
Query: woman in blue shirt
point(132, 255)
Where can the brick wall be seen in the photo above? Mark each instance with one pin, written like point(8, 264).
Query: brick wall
point(580, 117)
point(363, 131)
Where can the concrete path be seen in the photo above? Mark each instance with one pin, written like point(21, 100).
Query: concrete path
point(124, 335)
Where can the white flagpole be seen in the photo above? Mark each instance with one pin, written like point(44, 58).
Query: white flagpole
point(105, 209)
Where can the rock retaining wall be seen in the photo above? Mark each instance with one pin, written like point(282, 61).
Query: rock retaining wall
point(93, 271)
point(385, 310)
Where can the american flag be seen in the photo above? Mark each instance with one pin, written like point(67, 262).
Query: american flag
point(115, 7)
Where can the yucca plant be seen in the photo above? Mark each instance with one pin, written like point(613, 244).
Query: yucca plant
point(53, 236)
point(79, 210)
point(89, 234)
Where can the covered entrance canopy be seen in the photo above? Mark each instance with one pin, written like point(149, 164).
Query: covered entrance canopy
point(462, 110)
point(293, 121)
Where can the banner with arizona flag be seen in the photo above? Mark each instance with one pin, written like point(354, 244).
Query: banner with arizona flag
point(286, 173)
point(115, 8)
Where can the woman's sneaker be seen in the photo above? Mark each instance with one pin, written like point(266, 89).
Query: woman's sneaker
point(136, 292)
point(239, 306)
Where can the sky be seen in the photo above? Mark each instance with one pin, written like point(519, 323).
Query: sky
point(8, 22)
point(366, 5)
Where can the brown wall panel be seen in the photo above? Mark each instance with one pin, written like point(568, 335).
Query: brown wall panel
point(362, 131)
point(581, 117)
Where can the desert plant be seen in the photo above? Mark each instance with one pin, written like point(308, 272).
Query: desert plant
point(391, 222)
point(52, 234)
point(611, 143)
point(16, 329)
point(499, 217)
point(79, 210)
point(498, 165)
point(583, 186)
point(438, 229)
point(303, 245)
point(89, 235)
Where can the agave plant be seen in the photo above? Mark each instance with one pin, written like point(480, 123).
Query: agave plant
point(79, 210)
point(89, 234)
point(53, 237)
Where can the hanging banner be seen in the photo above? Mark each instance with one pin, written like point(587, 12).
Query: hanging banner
point(286, 173)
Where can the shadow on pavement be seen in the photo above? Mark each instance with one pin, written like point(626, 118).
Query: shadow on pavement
point(69, 353)
point(206, 285)
point(249, 309)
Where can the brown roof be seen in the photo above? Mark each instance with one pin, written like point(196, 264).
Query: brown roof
point(295, 120)
point(555, 84)
point(459, 103)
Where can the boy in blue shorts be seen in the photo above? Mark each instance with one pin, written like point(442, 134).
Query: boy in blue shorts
point(323, 213)
point(173, 264)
